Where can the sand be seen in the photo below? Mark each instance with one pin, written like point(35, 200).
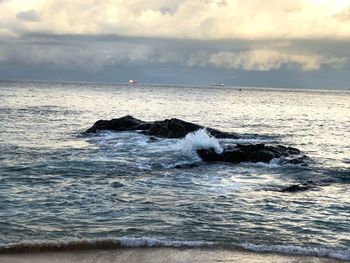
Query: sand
point(156, 255)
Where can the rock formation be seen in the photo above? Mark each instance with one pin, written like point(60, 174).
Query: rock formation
point(169, 128)
point(253, 153)
point(175, 128)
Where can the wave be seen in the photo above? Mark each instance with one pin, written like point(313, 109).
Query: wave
point(101, 243)
point(339, 175)
point(275, 163)
point(198, 140)
point(299, 250)
point(143, 166)
point(146, 242)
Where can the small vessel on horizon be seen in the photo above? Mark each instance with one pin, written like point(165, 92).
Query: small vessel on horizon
point(133, 82)
point(219, 84)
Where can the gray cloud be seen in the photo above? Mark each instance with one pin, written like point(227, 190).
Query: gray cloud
point(94, 54)
point(246, 62)
point(29, 16)
point(90, 57)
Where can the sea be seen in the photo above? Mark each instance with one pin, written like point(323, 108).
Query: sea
point(61, 188)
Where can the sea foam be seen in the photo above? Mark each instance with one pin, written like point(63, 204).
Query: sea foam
point(299, 250)
point(100, 243)
point(148, 242)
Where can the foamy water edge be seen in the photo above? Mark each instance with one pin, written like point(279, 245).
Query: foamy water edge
point(147, 242)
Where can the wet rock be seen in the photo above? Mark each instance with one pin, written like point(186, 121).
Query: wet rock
point(125, 123)
point(116, 185)
point(169, 128)
point(153, 139)
point(303, 186)
point(296, 188)
point(210, 155)
point(251, 153)
point(186, 165)
point(302, 160)
point(283, 150)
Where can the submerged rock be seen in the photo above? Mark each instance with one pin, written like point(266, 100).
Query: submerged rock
point(252, 153)
point(169, 128)
point(186, 165)
point(296, 188)
point(116, 185)
point(304, 186)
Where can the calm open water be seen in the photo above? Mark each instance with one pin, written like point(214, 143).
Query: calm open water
point(58, 184)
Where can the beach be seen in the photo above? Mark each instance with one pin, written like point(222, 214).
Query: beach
point(158, 255)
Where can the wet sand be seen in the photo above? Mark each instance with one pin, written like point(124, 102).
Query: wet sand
point(157, 255)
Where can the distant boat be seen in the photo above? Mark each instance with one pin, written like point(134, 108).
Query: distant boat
point(133, 82)
point(219, 84)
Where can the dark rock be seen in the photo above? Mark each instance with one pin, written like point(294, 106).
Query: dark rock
point(297, 161)
point(251, 153)
point(235, 156)
point(153, 139)
point(186, 165)
point(169, 128)
point(209, 155)
point(296, 188)
point(116, 185)
point(176, 128)
point(125, 123)
point(283, 150)
point(303, 186)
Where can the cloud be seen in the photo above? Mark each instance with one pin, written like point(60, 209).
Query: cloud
point(30, 16)
point(95, 54)
point(265, 60)
point(191, 19)
point(90, 57)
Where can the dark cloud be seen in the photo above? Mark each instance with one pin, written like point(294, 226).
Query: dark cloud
point(29, 16)
point(161, 60)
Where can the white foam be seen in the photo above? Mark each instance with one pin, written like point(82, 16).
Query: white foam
point(143, 166)
point(120, 139)
point(198, 140)
point(139, 142)
point(247, 140)
point(133, 242)
point(298, 250)
point(174, 165)
point(149, 242)
point(100, 243)
point(274, 163)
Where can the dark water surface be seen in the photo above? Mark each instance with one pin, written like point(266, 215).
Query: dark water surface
point(58, 184)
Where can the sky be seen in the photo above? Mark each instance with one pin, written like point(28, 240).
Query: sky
point(271, 43)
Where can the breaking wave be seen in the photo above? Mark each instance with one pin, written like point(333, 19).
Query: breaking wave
point(299, 250)
point(145, 242)
point(200, 139)
point(102, 243)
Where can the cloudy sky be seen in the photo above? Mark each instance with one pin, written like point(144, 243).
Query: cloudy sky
point(273, 43)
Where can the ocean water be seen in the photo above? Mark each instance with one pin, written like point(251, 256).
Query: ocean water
point(60, 187)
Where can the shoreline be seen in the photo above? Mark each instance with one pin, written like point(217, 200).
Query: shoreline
point(157, 255)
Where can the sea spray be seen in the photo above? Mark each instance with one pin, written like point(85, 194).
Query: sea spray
point(200, 139)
